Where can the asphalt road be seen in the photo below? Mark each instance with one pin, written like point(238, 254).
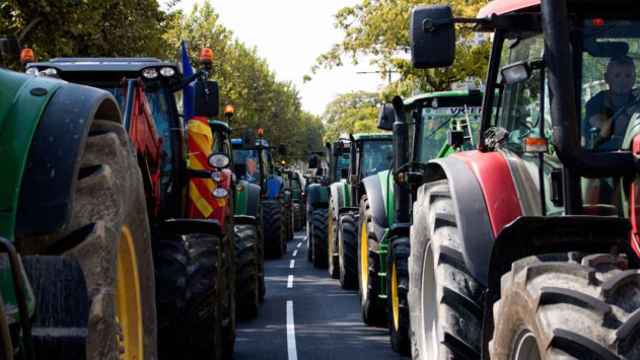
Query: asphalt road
point(323, 320)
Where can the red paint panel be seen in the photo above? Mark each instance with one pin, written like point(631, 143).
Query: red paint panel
point(492, 171)
point(500, 7)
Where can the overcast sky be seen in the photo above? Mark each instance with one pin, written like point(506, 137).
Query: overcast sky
point(290, 34)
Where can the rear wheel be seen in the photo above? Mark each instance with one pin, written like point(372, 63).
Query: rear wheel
point(273, 228)
point(319, 223)
point(247, 266)
point(332, 248)
point(298, 215)
point(371, 305)
point(190, 296)
point(442, 293)
point(108, 234)
point(568, 306)
point(397, 290)
point(347, 252)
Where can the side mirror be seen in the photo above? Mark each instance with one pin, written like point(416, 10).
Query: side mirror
point(207, 99)
point(282, 149)
point(433, 37)
point(515, 73)
point(344, 173)
point(313, 162)
point(386, 117)
point(9, 48)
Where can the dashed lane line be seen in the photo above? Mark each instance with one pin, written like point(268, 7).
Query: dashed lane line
point(290, 282)
point(292, 264)
point(299, 244)
point(295, 252)
point(291, 333)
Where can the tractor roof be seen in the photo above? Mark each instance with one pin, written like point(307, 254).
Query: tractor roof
point(373, 136)
point(103, 64)
point(223, 126)
point(453, 98)
point(239, 143)
point(500, 7)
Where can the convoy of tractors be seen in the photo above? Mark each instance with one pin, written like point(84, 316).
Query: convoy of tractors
point(493, 224)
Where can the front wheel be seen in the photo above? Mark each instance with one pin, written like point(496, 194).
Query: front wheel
point(319, 223)
point(568, 306)
point(397, 289)
point(347, 252)
point(247, 270)
point(274, 231)
point(332, 247)
point(372, 307)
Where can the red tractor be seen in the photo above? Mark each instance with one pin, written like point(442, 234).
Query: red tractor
point(528, 247)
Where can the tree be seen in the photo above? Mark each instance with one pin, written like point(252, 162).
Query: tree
point(86, 28)
point(351, 113)
point(379, 30)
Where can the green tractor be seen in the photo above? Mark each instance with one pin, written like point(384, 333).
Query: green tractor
point(187, 192)
point(253, 163)
point(349, 204)
point(72, 203)
point(321, 228)
point(441, 123)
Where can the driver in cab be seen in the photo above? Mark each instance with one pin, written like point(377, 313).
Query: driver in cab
point(606, 117)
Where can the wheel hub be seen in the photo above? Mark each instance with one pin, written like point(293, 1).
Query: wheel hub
point(364, 259)
point(395, 301)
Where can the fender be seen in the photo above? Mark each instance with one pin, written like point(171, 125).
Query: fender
point(318, 195)
point(340, 196)
point(247, 199)
point(244, 220)
point(50, 176)
point(485, 201)
point(377, 196)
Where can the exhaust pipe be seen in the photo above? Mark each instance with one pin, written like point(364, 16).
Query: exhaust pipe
point(400, 157)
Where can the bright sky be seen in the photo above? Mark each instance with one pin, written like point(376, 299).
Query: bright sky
point(290, 34)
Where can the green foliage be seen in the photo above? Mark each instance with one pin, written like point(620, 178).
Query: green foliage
point(379, 30)
point(86, 27)
point(351, 113)
point(260, 100)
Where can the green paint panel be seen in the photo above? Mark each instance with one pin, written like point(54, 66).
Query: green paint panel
point(240, 200)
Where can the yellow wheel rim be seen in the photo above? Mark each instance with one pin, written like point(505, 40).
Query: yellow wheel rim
point(395, 303)
point(364, 258)
point(128, 309)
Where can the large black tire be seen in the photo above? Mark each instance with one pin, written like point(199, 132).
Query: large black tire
point(247, 271)
point(228, 267)
point(397, 291)
point(108, 218)
point(259, 228)
point(298, 216)
point(319, 240)
point(309, 229)
point(347, 248)
point(371, 306)
point(191, 294)
point(442, 293)
point(288, 221)
point(273, 228)
point(333, 256)
point(62, 307)
point(568, 306)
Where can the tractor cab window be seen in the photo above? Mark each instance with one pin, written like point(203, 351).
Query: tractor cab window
point(375, 156)
point(435, 123)
point(610, 86)
point(246, 165)
point(341, 162)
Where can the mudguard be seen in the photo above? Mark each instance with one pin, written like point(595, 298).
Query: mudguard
point(485, 201)
point(377, 189)
point(50, 176)
point(244, 220)
point(191, 226)
point(318, 196)
point(247, 198)
point(340, 196)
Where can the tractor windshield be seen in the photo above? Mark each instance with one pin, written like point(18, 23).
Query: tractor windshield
point(246, 166)
point(341, 162)
point(376, 156)
point(432, 136)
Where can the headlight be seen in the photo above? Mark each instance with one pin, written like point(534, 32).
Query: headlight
point(216, 176)
point(220, 192)
point(219, 160)
point(49, 72)
point(167, 72)
point(150, 73)
point(32, 71)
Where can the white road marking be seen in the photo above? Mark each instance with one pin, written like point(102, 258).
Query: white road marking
point(299, 244)
point(295, 252)
point(290, 282)
point(291, 333)
point(292, 264)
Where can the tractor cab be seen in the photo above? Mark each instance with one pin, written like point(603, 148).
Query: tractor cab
point(370, 154)
point(339, 160)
